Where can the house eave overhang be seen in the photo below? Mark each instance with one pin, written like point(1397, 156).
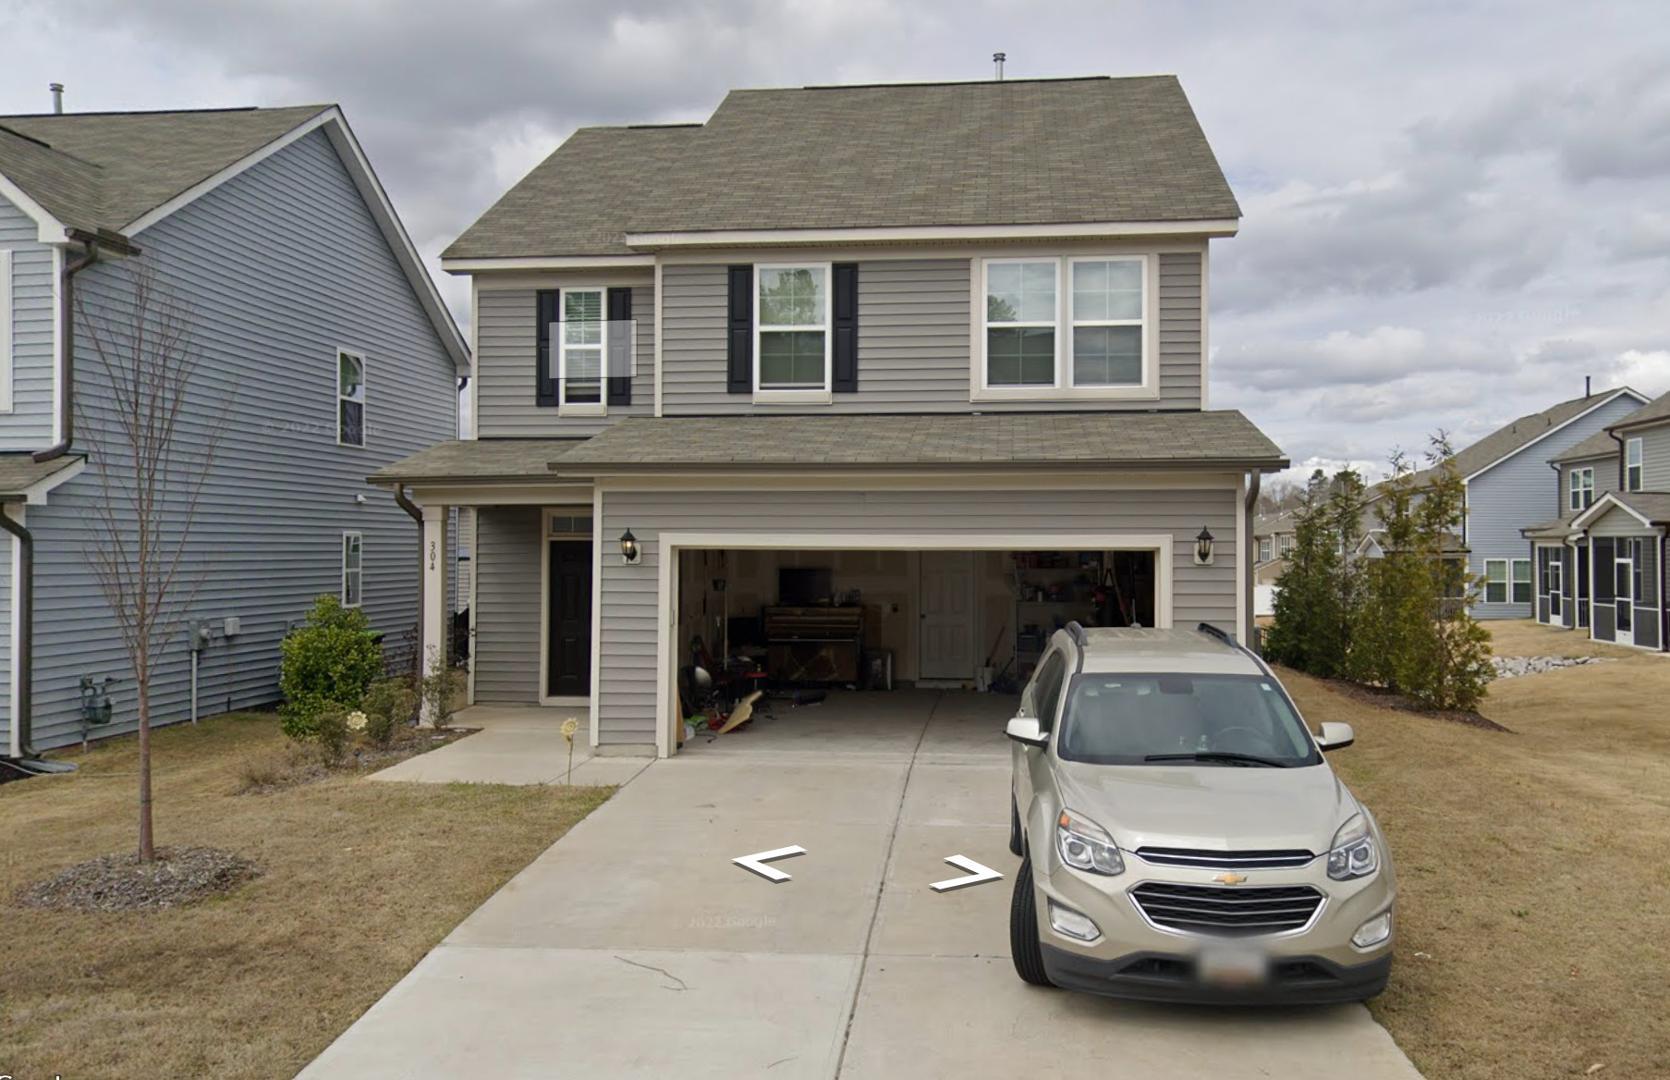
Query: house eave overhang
point(909, 234)
point(547, 262)
point(583, 470)
point(48, 229)
point(1610, 501)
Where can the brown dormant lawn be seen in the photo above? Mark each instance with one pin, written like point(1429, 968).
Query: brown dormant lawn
point(358, 880)
point(1533, 866)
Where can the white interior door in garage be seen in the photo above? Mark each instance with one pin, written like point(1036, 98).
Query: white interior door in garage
point(947, 615)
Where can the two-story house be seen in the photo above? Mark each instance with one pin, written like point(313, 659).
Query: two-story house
point(902, 375)
point(322, 351)
point(1601, 565)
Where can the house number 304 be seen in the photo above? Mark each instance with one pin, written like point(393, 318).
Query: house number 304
point(432, 554)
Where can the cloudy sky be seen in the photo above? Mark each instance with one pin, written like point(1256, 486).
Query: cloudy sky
point(1453, 211)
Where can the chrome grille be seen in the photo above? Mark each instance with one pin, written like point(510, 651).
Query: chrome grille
point(1224, 860)
point(1227, 911)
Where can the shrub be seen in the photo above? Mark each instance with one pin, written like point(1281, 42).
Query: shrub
point(389, 704)
point(329, 660)
point(331, 734)
point(440, 692)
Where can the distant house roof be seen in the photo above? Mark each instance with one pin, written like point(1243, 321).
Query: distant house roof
point(1654, 411)
point(122, 171)
point(1040, 152)
point(1271, 524)
point(1600, 444)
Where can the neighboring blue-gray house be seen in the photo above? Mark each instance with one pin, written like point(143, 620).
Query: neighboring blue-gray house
point(1511, 486)
point(319, 334)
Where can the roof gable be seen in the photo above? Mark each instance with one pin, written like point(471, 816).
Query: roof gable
point(1653, 412)
point(1049, 152)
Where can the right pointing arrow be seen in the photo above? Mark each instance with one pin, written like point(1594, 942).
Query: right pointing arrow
point(977, 874)
point(756, 862)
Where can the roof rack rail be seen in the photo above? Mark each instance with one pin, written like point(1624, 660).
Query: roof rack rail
point(1077, 633)
point(1218, 632)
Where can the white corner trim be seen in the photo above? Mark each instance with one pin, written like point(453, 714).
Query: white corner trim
point(657, 322)
point(1243, 561)
point(57, 343)
point(546, 262)
point(597, 602)
point(6, 330)
point(1205, 327)
point(931, 233)
point(14, 737)
point(48, 229)
point(1604, 398)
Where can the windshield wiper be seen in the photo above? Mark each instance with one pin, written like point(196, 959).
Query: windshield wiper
point(1220, 755)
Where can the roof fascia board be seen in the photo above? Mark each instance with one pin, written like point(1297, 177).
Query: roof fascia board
point(1605, 399)
point(48, 229)
point(931, 233)
point(1627, 424)
point(859, 473)
point(36, 494)
point(546, 262)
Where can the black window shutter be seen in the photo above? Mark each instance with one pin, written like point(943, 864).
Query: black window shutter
point(739, 352)
point(844, 379)
point(545, 374)
point(620, 311)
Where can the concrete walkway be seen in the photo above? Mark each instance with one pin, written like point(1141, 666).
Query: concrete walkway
point(515, 745)
point(634, 948)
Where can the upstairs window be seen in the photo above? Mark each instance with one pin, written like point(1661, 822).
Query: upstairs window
point(1021, 313)
point(1581, 484)
point(1107, 310)
point(1066, 326)
point(791, 335)
point(353, 553)
point(1264, 550)
point(580, 350)
point(1632, 464)
point(350, 398)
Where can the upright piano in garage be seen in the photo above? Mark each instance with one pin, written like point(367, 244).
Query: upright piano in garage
point(818, 644)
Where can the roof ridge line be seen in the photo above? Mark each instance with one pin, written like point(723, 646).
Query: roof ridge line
point(161, 112)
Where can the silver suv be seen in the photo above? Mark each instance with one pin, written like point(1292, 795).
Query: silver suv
point(1181, 837)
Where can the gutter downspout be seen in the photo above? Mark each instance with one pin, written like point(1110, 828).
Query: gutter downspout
point(1254, 482)
point(66, 319)
point(25, 601)
point(1622, 467)
point(416, 514)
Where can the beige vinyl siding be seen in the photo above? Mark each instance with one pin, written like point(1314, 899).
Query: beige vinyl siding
point(1606, 479)
point(1655, 457)
point(914, 329)
point(507, 568)
point(507, 356)
point(627, 675)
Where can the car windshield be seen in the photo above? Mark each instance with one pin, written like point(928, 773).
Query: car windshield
point(1224, 720)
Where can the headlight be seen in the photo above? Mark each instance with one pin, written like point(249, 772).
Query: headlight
point(1352, 854)
point(1373, 932)
point(1085, 845)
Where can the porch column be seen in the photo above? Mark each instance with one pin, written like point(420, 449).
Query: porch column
point(432, 623)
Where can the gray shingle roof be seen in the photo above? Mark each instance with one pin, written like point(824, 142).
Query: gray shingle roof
point(1600, 444)
point(1652, 505)
point(104, 170)
point(1652, 412)
point(477, 460)
point(1044, 152)
point(20, 472)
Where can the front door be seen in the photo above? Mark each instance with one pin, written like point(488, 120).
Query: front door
point(947, 615)
point(1624, 576)
point(568, 636)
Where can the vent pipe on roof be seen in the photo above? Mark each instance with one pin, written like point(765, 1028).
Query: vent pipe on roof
point(57, 89)
point(1587, 379)
point(998, 58)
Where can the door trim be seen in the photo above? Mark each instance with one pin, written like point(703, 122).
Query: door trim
point(1617, 599)
point(545, 538)
point(669, 544)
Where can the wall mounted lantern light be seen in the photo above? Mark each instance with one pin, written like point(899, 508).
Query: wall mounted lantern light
point(1203, 547)
point(629, 550)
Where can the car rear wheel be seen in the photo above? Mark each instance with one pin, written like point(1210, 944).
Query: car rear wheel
point(1024, 946)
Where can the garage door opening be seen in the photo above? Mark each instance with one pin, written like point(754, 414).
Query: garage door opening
point(805, 619)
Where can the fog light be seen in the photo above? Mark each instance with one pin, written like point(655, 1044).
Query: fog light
point(1072, 923)
point(1373, 932)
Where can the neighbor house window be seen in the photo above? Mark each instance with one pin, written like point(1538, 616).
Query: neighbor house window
point(1522, 579)
point(350, 398)
point(792, 330)
point(1107, 315)
point(580, 351)
point(352, 554)
point(1496, 581)
point(1582, 485)
point(1632, 464)
point(1264, 552)
point(1021, 314)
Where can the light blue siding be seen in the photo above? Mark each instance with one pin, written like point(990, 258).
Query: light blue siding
point(1520, 492)
point(279, 268)
point(29, 424)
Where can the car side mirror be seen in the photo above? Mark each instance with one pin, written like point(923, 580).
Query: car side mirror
point(1335, 737)
point(1026, 731)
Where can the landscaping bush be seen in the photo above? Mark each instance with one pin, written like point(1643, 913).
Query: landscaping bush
point(389, 705)
point(440, 690)
point(331, 733)
point(329, 661)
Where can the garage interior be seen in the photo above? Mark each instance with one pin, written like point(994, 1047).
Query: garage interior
point(786, 621)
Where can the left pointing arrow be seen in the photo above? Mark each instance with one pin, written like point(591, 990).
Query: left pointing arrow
point(756, 863)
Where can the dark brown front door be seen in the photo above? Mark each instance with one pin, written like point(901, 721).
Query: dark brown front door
point(568, 664)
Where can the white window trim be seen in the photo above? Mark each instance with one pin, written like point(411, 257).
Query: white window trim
point(1581, 484)
point(1636, 473)
point(354, 534)
point(798, 395)
point(600, 407)
point(1053, 325)
point(364, 400)
point(6, 279)
point(1266, 549)
point(1143, 323)
point(1507, 581)
point(1530, 579)
point(1062, 387)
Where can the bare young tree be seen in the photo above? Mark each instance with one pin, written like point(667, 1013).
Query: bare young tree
point(152, 449)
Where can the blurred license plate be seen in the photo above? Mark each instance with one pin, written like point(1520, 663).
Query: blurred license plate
point(1226, 966)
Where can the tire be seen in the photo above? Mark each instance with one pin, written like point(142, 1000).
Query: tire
point(1015, 829)
point(1024, 947)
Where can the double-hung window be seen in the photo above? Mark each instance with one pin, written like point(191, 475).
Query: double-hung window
point(581, 346)
point(1021, 320)
point(1264, 549)
point(1074, 325)
point(350, 398)
point(1496, 581)
point(353, 552)
point(1522, 582)
point(1107, 314)
point(791, 330)
point(1632, 464)
point(1581, 483)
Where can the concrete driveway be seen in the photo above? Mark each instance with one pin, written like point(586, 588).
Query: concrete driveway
point(633, 947)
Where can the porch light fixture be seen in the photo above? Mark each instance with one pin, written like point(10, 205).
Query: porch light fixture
point(629, 550)
point(1203, 547)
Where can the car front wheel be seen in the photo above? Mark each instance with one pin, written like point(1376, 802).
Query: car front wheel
point(1024, 946)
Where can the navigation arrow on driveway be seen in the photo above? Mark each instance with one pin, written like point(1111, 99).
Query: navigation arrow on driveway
point(977, 874)
point(755, 863)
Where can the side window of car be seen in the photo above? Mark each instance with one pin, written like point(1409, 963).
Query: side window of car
point(1046, 690)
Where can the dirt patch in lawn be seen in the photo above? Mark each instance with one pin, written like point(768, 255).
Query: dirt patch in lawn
point(358, 880)
point(123, 883)
point(1532, 868)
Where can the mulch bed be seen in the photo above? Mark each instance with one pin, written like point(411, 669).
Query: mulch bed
point(122, 883)
point(1379, 695)
point(301, 764)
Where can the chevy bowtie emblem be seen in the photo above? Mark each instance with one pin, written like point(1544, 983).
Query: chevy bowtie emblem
point(1230, 877)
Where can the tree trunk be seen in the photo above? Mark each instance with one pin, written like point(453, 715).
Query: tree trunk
point(147, 850)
